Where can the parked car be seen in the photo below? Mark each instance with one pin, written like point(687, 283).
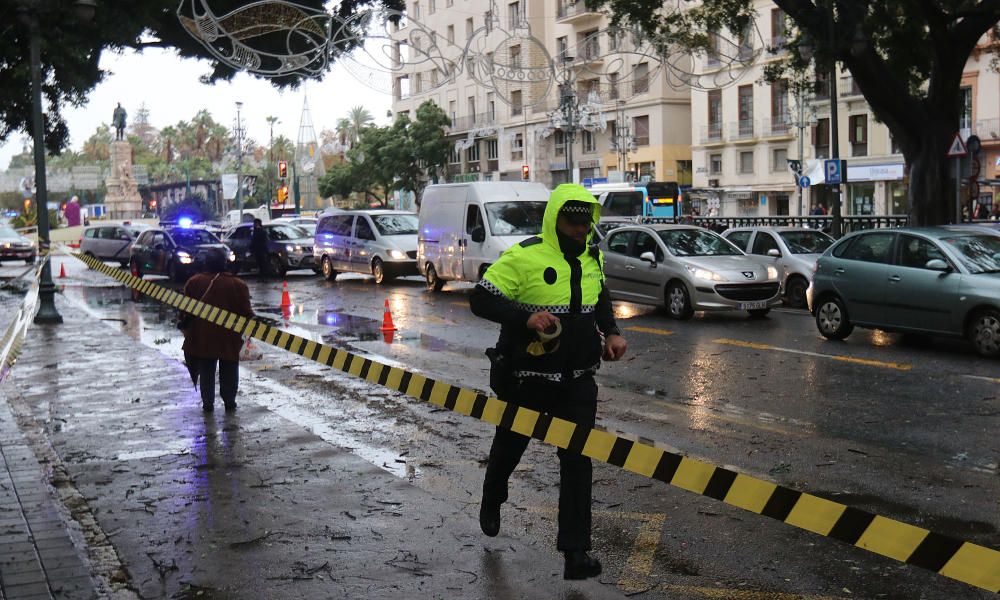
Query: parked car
point(794, 250)
point(307, 223)
point(14, 246)
point(933, 280)
point(111, 241)
point(176, 252)
point(464, 227)
point(288, 247)
point(382, 243)
point(686, 269)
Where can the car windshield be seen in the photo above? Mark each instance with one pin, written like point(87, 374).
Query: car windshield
point(286, 232)
point(697, 242)
point(979, 253)
point(193, 237)
point(309, 228)
point(515, 218)
point(806, 242)
point(396, 224)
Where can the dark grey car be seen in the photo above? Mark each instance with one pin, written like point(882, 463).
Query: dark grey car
point(933, 280)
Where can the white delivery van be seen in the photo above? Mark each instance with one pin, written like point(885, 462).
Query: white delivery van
point(464, 227)
point(232, 218)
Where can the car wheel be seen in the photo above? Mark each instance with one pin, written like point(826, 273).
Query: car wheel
point(984, 333)
point(278, 266)
point(759, 313)
point(678, 302)
point(434, 283)
point(378, 271)
point(327, 269)
point(831, 319)
point(795, 292)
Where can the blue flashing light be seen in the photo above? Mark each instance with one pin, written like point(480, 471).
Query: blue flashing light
point(184, 222)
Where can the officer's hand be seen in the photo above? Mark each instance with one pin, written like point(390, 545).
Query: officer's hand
point(540, 321)
point(614, 347)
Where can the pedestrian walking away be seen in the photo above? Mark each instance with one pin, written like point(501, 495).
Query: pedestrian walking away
point(207, 344)
point(549, 297)
point(258, 246)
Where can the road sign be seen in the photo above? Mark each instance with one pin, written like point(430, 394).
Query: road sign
point(973, 144)
point(833, 171)
point(804, 182)
point(957, 147)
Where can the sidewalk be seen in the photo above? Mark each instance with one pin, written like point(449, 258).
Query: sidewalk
point(174, 503)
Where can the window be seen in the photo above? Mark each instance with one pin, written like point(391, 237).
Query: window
point(746, 42)
point(469, 28)
point(472, 152)
point(588, 142)
point(915, 252)
point(613, 86)
point(646, 243)
point(821, 86)
point(492, 149)
point(821, 138)
point(779, 28)
point(517, 147)
point(516, 108)
point(779, 106)
point(340, 225)
point(416, 10)
point(965, 97)
point(108, 233)
point(433, 7)
point(859, 135)
point(715, 43)
point(456, 156)
point(614, 38)
point(620, 242)
point(622, 204)
point(452, 107)
point(645, 169)
point(715, 164)
point(471, 103)
point(746, 110)
point(473, 218)
point(740, 238)
point(91, 233)
point(559, 139)
point(515, 56)
point(715, 114)
point(746, 162)
point(451, 34)
point(514, 15)
point(641, 78)
point(640, 125)
point(562, 45)
point(450, 3)
point(779, 159)
point(491, 107)
point(589, 44)
point(868, 247)
point(894, 145)
point(362, 230)
point(763, 243)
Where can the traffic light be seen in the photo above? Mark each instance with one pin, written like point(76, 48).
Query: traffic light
point(152, 204)
point(282, 193)
point(282, 169)
point(525, 173)
point(27, 205)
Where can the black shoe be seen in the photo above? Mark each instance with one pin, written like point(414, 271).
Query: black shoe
point(230, 407)
point(489, 518)
point(207, 407)
point(580, 565)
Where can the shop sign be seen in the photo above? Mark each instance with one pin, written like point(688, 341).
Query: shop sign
point(876, 172)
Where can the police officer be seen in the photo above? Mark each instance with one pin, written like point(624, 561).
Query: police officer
point(259, 247)
point(549, 297)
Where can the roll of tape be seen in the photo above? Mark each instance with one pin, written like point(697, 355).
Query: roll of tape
point(551, 333)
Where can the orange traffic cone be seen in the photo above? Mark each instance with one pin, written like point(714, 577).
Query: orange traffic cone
point(387, 324)
point(286, 300)
point(387, 336)
point(62, 270)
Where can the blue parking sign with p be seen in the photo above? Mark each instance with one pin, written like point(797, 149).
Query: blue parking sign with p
point(833, 171)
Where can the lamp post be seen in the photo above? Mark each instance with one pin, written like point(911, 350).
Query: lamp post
point(238, 134)
point(28, 14)
point(270, 163)
point(570, 116)
point(623, 140)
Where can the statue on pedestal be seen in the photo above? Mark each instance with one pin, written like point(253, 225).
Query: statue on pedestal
point(118, 120)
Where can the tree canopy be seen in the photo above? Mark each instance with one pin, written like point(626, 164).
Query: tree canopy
point(906, 56)
point(71, 52)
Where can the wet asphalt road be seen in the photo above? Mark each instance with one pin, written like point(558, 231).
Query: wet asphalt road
point(900, 427)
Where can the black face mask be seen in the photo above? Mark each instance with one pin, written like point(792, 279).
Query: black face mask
point(569, 246)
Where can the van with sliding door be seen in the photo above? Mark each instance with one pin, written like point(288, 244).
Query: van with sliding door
point(464, 227)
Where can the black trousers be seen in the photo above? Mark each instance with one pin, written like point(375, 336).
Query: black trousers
point(263, 262)
point(574, 401)
point(229, 377)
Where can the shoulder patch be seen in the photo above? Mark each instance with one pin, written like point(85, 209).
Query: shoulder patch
point(531, 241)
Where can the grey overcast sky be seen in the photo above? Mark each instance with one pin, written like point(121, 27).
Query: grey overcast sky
point(170, 89)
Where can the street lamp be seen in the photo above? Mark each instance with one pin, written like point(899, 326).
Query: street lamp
point(571, 116)
point(238, 132)
point(28, 14)
point(623, 141)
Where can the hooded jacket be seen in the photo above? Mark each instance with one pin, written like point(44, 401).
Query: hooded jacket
point(536, 275)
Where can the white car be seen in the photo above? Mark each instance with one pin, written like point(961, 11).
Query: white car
point(793, 250)
point(686, 269)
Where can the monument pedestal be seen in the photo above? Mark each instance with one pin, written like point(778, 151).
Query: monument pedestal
point(122, 200)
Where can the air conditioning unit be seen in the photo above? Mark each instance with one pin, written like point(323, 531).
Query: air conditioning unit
point(713, 183)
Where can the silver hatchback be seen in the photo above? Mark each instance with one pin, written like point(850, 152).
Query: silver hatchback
point(794, 250)
point(686, 269)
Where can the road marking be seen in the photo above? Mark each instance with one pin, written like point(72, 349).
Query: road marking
point(850, 359)
point(981, 378)
point(652, 330)
point(639, 564)
point(734, 594)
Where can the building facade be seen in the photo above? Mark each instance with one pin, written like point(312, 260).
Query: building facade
point(505, 128)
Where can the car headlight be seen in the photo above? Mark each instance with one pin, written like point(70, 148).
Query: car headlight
point(289, 248)
point(705, 274)
point(397, 255)
point(184, 257)
point(6, 244)
point(772, 273)
point(232, 256)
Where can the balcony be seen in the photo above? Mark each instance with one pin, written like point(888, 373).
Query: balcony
point(988, 129)
point(848, 88)
point(468, 122)
point(711, 133)
point(742, 130)
point(776, 127)
point(572, 12)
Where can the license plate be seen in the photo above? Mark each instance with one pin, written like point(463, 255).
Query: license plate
point(753, 305)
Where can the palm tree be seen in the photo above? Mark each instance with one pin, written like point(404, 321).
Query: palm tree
point(343, 131)
point(358, 117)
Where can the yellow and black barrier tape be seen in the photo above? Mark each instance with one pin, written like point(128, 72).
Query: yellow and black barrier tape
point(969, 563)
point(13, 337)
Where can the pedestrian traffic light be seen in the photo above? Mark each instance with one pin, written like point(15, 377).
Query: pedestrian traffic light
point(282, 169)
point(282, 193)
point(525, 173)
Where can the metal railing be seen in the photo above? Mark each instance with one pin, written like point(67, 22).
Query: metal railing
point(711, 133)
point(849, 223)
point(574, 9)
point(988, 128)
point(742, 129)
point(776, 126)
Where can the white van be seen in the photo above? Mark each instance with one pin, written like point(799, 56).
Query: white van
point(232, 218)
point(464, 227)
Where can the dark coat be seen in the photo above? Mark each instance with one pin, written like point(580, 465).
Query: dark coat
point(258, 241)
point(207, 340)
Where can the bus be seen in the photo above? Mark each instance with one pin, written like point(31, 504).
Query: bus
point(658, 199)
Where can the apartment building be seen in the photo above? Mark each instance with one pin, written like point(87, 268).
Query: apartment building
point(501, 104)
point(745, 133)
